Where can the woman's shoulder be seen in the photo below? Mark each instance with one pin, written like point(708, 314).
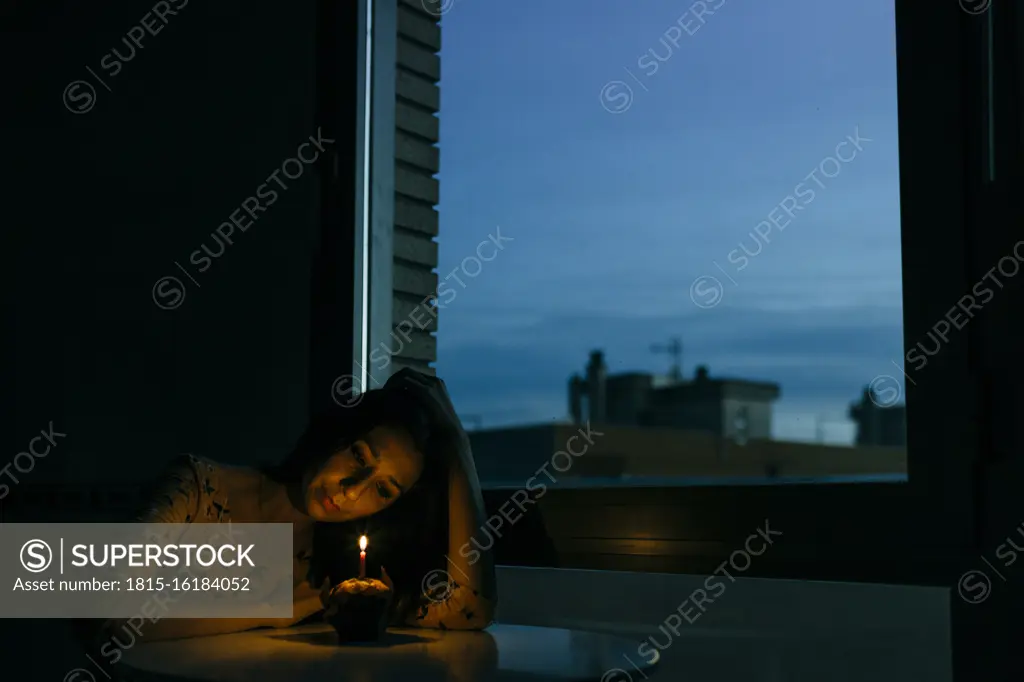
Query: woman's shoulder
point(197, 489)
point(209, 474)
point(189, 464)
point(203, 468)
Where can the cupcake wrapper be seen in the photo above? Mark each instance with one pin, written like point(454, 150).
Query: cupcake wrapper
point(360, 619)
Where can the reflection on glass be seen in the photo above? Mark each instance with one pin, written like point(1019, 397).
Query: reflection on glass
point(699, 248)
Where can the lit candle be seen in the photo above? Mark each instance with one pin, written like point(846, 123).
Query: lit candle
point(362, 557)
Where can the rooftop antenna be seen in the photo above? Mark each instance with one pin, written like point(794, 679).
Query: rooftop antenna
point(674, 348)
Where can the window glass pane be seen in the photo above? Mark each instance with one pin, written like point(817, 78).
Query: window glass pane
point(692, 208)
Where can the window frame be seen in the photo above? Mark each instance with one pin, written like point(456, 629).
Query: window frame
point(985, 645)
point(914, 532)
point(351, 278)
point(375, 197)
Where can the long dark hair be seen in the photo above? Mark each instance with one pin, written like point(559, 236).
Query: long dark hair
point(410, 537)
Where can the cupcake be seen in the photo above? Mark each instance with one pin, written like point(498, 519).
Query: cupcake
point(357, 609)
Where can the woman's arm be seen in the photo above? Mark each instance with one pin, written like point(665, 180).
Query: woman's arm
point(469, 599)
point(471, 570)
point(307, 603)
point(464, 597)
point(177, 498)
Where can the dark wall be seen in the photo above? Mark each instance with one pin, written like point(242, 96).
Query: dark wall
point(102, 204)
point(98, 206)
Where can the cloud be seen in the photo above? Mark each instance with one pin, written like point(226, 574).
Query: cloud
point(515, 370)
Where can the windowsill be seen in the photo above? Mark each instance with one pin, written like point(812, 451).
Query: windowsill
point(581, 482)
point(691, 530)
point(794, 630)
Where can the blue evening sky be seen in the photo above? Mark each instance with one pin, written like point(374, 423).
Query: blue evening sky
point(613, 216)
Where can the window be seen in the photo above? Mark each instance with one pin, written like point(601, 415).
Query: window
point(726, 236)
point(712, 214)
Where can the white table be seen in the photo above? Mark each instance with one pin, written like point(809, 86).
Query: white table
point(508, 653)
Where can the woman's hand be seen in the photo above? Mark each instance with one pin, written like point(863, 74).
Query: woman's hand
point(306, 602)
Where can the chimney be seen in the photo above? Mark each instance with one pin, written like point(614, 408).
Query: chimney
point(576, 389)
point(597, 374)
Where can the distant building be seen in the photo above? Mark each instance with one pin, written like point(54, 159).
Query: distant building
point(737, 409)
point(877, 423)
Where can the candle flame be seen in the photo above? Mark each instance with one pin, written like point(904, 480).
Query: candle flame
point(362, 542)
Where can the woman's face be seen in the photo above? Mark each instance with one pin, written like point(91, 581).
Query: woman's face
point(364, 478)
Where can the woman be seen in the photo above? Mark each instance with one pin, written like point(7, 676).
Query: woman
point(396, 467)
